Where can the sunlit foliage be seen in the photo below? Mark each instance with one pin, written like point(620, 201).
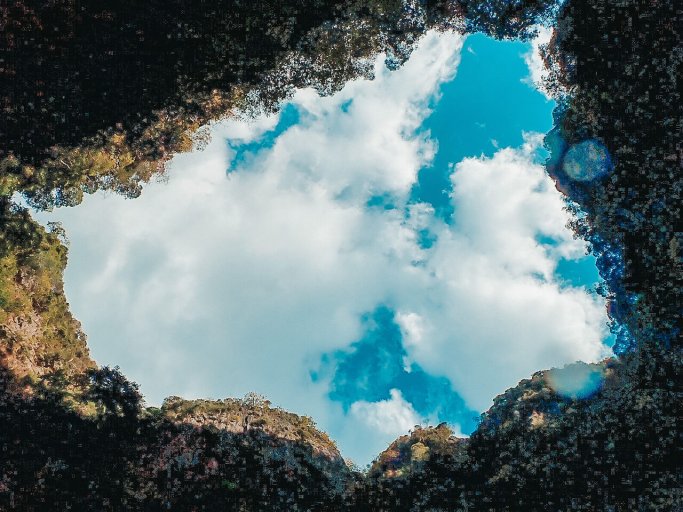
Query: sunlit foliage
point(100, 95)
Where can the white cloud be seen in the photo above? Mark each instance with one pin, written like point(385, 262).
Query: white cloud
point(214, 286)
point(533, 59)
point(491, 312)
point(412, 327)
point(393, 417)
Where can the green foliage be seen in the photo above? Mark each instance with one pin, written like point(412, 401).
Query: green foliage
point(507, 19)
point(409, 453)
point(143, 88)
point(99, 97)
point(18, 229)
point(619, 64)
point(112, 393)
point(515, 463)
point(39, 336)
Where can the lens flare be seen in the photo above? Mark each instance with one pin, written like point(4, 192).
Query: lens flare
point(587, 161)
point(578, 380)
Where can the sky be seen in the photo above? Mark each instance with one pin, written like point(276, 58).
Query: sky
point(388, 256)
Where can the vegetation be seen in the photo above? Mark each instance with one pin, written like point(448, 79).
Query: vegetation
point(122, 458)
point(537, 450)
point(620, 68)
point(408, 454)
point(99, 96)
point(39, 336)
point(249, 414)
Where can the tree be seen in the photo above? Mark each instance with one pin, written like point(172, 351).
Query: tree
point(112, 393)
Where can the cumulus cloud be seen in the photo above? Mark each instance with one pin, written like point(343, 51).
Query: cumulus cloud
point(216, 284)
point(412, 327)
point(491, 310)
point(393, 417)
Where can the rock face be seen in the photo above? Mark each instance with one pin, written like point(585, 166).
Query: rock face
point(535, 449)
point(55, 457)
point(278, 431)
point(40, 339)
point(99, 96)
point(532, 450)
point(409, 454)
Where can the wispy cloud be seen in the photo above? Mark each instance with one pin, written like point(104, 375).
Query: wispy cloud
point(533, 59)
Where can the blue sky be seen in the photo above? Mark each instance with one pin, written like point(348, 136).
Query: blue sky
point(390, 255)
point(491, 105)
